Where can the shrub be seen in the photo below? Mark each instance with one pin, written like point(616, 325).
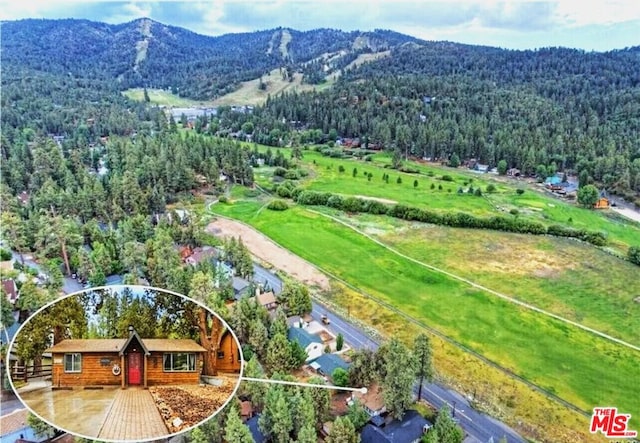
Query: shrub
point(491, 187)
point(278, 205)
point(634, 255)
point(340, 377)
point(291, 174)
point(478, 192)
point(514, 211)
point(5, 254)
point(223, 199)
point(520, 191)
point(447, 178)
point(279, 172)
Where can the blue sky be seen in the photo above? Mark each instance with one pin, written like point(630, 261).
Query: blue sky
point(591, 25)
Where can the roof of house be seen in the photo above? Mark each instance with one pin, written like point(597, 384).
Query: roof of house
point(327, 363)
point(266, 298)
point(119, 344)
point(239, 284)
point(303, 337)
point(373, 399)
point(10, 288)
point(409, 429)
point(246, 408)
point(257, 435)
point(201, 253)
point(13, 422)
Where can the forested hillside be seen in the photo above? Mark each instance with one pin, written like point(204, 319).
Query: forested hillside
point(565, 109)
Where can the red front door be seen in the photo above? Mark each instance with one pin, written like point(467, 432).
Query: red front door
point(134, 363)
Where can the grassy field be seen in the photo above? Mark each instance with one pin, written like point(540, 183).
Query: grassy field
point(576, 365)
point(529, 412)
point(556, 274)
point(163, 98)
point(533, 204)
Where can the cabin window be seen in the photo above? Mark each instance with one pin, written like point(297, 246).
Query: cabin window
point(220, 354)
point(177, 361)
point(73, 362)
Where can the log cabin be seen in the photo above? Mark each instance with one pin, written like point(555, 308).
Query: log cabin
point(126, 362)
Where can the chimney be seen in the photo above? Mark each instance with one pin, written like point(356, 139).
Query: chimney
point(131, 330)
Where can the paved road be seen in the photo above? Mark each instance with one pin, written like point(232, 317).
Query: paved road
point(479, 427)
point(262, 275)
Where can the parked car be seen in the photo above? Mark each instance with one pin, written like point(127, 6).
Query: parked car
point(325, 319)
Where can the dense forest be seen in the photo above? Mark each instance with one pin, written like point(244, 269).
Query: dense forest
point(568, 110)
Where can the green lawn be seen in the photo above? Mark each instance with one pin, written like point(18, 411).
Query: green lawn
point(578, 366)
point(533, 204)
point(566, 277)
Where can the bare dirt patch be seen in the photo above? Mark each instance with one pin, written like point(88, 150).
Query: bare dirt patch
point(629, 213)
point(184, 406)
point(266, 250)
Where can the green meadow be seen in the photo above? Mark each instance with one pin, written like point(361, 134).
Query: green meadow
point(532, 204)
point(163, 98)
point(576, 365)
point(568, 278)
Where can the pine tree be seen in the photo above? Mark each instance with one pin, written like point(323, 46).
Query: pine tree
point(423, 355)
point(342, 431)
point(235, 430)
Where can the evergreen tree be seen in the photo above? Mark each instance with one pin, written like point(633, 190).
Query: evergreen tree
point(398, 381)
point(235, 430)
point(423, 355)
point(342, 431)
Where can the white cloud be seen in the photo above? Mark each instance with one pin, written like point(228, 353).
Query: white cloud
point(574, 13)
point(130, 11)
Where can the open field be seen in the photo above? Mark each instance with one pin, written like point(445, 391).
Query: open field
point(489, 388)
point(533, 204)
point(577, 366)
point(249, 92)
point(555, 274)
point(163, 98)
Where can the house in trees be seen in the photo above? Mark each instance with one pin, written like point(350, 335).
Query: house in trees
point(268, 300)
point(228, 358)
point(408, 430)
point(327, 363)
point(133, 361)
point(312, 344)
point(372, 401)
point(603, 201)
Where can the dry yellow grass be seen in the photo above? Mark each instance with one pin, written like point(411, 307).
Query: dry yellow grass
point(249, 92)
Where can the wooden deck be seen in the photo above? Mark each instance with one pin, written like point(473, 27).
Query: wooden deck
point(133, 416)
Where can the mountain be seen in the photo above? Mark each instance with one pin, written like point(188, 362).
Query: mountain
point(147, 53)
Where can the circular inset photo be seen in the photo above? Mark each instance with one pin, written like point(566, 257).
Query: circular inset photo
point(125, 363)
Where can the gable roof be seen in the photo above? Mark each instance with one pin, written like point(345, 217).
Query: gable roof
point(327, 363)
point(303, 338)
point(407, 430)
point(120, 344)
point(13, 422)
point(266, 298)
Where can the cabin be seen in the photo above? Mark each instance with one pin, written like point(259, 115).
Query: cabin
point(372, 401)
point(133, 361)
point(327, 363)
point(603, 201)
point(228, 358)
point(11, 290)
point(268, 300)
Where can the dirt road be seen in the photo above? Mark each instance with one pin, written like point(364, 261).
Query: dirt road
point(267, 251)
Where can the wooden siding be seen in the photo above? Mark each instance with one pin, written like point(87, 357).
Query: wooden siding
point(157, 376)
point(93, 372)
point(230, 362)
